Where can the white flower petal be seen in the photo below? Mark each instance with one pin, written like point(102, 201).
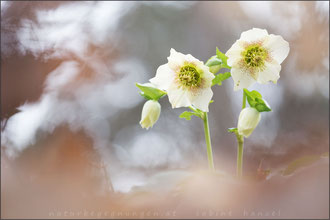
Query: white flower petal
point(242, 79)
point(176, 59)
point(190, 59)
point(271, 73)
point(201, 99)
point(178, 97)
point(253, 35)
point(234, 53)
point(164, 77)
point(179, 94)
point(207, 76)
point(278, 47)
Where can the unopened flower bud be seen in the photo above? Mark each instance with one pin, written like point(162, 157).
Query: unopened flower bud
point(150, 114)
point(248, 121)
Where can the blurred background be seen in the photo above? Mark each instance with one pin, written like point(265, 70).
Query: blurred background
point(70, 110)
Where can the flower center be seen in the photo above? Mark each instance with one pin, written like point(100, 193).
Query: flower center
point(189, 76)
point(254, 56)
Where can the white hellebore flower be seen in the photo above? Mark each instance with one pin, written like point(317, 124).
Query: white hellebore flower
point(186, 80)
point(150, 113)
point(247, 121)
point(256, 56)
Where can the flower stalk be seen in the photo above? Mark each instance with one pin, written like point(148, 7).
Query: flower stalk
point(208, 141)
point(244, 101)
point(240, 145)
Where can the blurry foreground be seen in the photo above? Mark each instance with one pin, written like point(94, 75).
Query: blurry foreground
point(56, 186)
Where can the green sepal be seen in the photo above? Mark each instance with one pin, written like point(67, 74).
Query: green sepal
point(218, 79)
point(187, 115)
point(256, 101)
point(150, 93)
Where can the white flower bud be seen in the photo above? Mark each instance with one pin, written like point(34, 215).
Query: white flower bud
point(150, 114)
point(248, 121)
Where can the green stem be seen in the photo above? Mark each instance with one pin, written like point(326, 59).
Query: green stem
point(244, 100)
point(208, 141)
point(240, 142)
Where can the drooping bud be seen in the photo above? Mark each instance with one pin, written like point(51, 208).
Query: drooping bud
point(248, 121)
point(150, 114)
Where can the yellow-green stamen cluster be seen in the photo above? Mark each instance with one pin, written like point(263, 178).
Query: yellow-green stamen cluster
point(254, 56)
point(189, 76)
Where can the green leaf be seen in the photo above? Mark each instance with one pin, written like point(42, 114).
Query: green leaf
point(262, 105)
point(223, 58)
point(256, 101)
point(150, 92)
point(256, 94)
point(220, 77)
point(232, 130)
point(300, 163)
point(187, 115)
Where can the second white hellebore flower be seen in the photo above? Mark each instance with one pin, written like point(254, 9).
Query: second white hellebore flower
point(247, 121)
point(186, 80)
point(256, 56)
point(150, 114)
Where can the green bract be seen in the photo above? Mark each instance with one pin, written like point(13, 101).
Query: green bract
point(187, 115)
point(217, 62)
point(232, 130)
point(220, 77)
point(223, 58)
point(256, 101)
point(150, 93)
